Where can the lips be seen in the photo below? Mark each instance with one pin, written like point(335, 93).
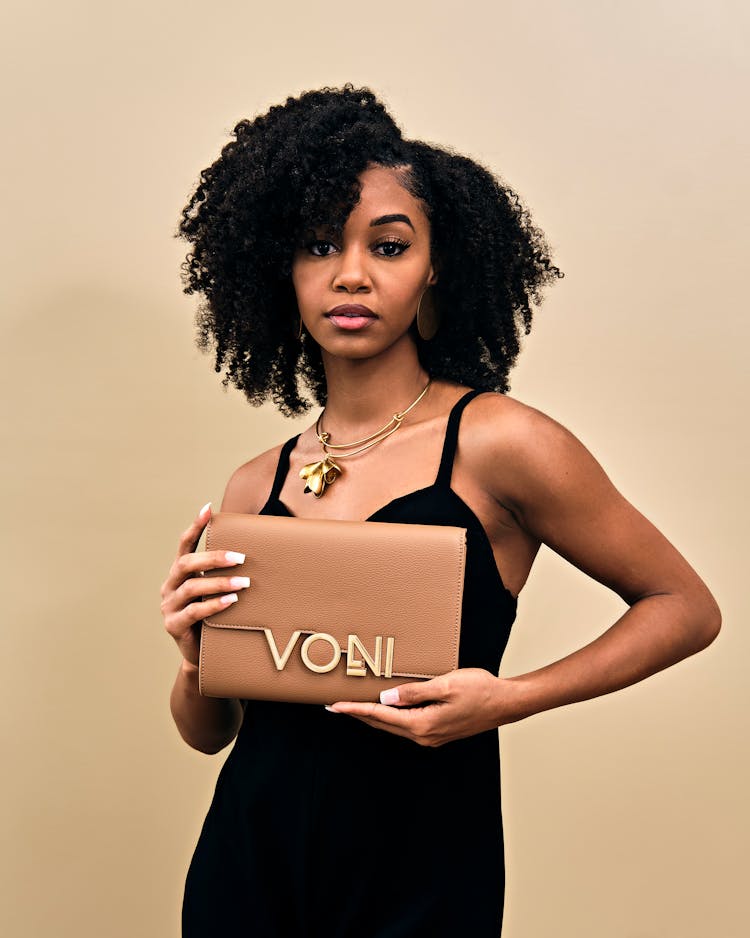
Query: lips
point(351, 316)
point(350, 309)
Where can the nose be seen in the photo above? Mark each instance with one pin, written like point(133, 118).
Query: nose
point(351, 274)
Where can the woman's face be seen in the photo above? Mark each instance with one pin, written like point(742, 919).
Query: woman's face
point(381, 262)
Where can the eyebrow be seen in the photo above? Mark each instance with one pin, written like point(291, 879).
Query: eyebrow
point(385, 219)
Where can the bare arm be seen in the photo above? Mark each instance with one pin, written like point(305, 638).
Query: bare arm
point(560, 495)
point(207, 724)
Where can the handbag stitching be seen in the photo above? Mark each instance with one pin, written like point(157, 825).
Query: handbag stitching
point(459, 597)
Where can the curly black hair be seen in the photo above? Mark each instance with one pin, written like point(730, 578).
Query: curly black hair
point(295, 169)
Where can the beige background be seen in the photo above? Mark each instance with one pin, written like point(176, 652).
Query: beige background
point(622, 127)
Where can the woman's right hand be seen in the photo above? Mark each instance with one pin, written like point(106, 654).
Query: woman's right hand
point(182, 603)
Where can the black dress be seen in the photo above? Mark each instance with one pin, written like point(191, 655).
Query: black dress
point(324, 827)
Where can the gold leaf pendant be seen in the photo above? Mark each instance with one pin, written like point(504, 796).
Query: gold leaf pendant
point(319, 474)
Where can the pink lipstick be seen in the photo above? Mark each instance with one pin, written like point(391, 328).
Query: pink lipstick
point(351, 316)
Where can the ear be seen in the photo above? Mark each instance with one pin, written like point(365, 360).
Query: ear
point(432, 278)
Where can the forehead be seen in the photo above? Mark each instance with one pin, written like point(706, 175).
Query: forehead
point(383, 191)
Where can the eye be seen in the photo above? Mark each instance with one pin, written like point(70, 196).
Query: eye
point(391, 247)
point(317, 243)
point(391, 243)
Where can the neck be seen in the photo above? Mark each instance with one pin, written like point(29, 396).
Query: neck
point(364, 394)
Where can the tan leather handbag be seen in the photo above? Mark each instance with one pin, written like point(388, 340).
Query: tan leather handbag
point(335, 610)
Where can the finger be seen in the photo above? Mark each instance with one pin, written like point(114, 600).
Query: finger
point(191, 565)
point(190, 536)
point(209, 560)
point(207, 586)
point(417, 692)
point(417, 736)
point(389, 716)
point(384, 727)
point(179, 622)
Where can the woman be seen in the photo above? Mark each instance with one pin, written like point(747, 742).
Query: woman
point(390, 276)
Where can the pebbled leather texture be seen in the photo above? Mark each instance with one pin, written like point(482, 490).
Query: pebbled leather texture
point(365, 578)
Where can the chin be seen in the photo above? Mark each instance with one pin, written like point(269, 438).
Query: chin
point(359, 345)
point(354, 354)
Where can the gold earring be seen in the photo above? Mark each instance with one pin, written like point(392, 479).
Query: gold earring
point(428, 318)
point(299, 331)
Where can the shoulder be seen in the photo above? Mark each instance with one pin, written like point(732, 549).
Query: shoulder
point(505, 424)
point(250, 484)
point(523, 456)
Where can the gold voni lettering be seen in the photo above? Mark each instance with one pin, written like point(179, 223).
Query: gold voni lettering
point(355, 667)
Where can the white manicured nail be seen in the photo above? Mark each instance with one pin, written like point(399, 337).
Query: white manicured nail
point(233, 557)
point(238, 582)
point(204, 509)
point(229, 598)
point(331, 710)
point(389, 696)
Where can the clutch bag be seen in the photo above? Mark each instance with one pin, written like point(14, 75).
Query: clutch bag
point(335, 610)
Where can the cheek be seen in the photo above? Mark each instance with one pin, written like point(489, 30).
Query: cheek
point(301, 281)
point(407, 293)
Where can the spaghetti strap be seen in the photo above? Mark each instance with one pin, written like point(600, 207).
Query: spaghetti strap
point(282, 468)
point(451, 438)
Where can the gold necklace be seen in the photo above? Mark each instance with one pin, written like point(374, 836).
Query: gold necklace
point(318, 475)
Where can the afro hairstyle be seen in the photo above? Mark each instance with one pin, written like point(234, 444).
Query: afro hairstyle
point(295, 169)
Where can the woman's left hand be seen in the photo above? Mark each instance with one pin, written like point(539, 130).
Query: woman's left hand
point(461, 703)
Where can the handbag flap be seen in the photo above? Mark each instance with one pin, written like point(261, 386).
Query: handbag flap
point(396, 587)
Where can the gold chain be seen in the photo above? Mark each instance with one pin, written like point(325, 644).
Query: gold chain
point(376, 437)
point(319, 475)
